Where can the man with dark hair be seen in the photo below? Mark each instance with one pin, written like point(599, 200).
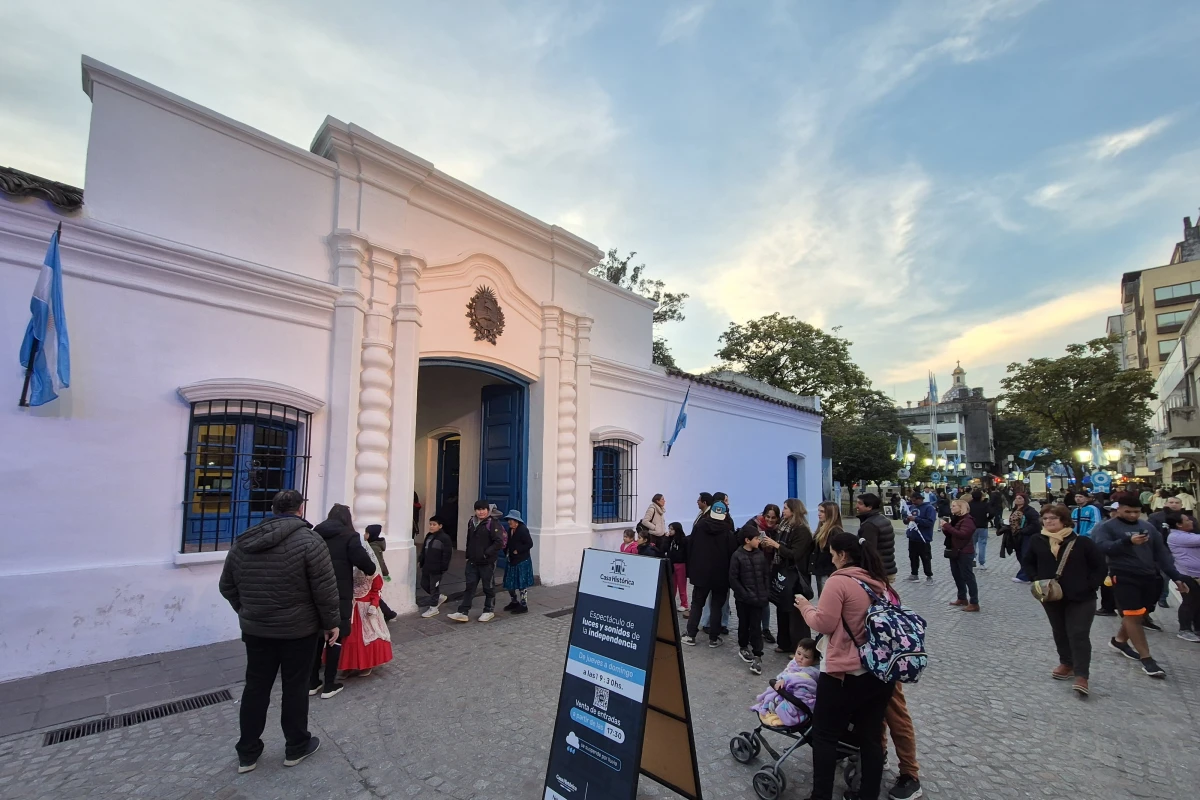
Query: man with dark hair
point(346, 552)
point(1136, 554)
point(484, 543)
point(704, 503)
point(877, 530)
point(978, 507)
point(921, 519)
point(280, 581)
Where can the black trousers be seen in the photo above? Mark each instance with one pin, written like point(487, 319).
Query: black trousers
point(1189, 610)
point(266, 658)
point(792, 627)
point(861, 700)
point(750, 633)
point(962, 569)
point(431, 584)
point(333, 654)
point(919, 553)
point(1071, 624)
point(716, 600)
point(476, 574)
point(1107, 601)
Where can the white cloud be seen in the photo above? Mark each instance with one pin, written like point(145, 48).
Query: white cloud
point(1112, 145)
point(683, 22)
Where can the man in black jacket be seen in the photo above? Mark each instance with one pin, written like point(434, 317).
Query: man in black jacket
point(484, 543)
point(709, 550)
point(877, 530)
point(748, 579)
point(346, 551)
point(279, 580)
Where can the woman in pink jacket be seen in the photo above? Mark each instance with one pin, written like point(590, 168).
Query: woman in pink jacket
point(846, 692)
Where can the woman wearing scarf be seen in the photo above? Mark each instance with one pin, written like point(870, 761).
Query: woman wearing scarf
point(1025, 525)
point(1083, 570)
point(793, 543)
point(369, 643)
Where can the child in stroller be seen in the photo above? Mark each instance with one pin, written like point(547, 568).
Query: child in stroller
point(786, 708)
point(799, 678)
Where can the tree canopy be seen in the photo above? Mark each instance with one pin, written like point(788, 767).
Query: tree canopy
point(617, 270)
point(1062, 397)
point(798, 357)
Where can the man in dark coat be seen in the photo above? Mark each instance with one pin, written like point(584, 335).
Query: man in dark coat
point(279, 580)
point(346, 551)
point(877, 530)
point(709, 550)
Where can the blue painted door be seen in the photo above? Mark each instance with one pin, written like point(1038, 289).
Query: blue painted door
point(501, 447)
point(793, 477)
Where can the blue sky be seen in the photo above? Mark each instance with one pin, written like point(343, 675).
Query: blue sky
point(950, 180)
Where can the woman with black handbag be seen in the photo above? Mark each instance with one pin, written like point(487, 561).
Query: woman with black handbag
point(790, 573)
point(1076, 567)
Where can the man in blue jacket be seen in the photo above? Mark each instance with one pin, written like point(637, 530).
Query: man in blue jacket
point(922, 518)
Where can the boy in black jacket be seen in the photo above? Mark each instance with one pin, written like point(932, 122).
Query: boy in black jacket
point(434, 561)
point(748, 579)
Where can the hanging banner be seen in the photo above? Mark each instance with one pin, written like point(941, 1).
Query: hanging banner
point(623, 709)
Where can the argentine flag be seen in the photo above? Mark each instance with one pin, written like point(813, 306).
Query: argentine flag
point(680, 421)
point(46, 351)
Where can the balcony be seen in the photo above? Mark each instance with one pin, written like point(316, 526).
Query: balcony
point(1183, 422)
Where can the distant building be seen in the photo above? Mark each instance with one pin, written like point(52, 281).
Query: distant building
point(964, 425)
point(1155, 303)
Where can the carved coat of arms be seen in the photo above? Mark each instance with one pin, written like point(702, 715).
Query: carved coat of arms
point(487, 319)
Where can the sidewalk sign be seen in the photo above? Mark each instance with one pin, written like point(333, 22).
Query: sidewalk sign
point(623, 708)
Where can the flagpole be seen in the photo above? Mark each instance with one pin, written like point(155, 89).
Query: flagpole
point(932, 423)
point(33, 351)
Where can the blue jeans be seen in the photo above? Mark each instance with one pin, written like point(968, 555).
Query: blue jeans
point(724, 616)
point(1022, 548)
point(981, 539)
point(766, 620)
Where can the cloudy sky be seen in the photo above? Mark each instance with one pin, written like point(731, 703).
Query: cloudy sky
point(944, 180)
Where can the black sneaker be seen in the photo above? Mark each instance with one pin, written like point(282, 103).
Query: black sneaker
point(704, 630)
point(1106, 612)
point(313, 745)
point(756, 667)
point(906, 788)
point(768, 637)
point(246, 765)
point(690, 641)
point(1151, 668)
point(512, 606)
point(520, 609)
point(391, 615)
point(745, 655)
point(1151, 624)
point(724, 631)
point(717, 642)
point(331, 691)
point(315, 690)
point(1125, 649)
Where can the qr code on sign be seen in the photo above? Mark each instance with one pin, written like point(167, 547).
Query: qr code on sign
point(601, 701)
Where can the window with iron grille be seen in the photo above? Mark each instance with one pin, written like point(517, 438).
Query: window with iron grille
point(241, 453)
point(614, 480)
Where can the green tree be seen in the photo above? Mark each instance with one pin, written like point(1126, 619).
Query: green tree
point(1012, 433)
point(617, 270)
point(1062, 397)
point(791, 354)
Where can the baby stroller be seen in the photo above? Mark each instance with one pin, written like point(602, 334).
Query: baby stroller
point(769, 781)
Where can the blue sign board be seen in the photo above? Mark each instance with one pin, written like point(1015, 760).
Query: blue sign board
point(1101, 481)
point(608, 703)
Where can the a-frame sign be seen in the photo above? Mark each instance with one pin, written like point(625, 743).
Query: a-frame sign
point(623, 708)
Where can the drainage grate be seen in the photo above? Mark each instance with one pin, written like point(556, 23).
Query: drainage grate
point(562, 612)
point(134, 717)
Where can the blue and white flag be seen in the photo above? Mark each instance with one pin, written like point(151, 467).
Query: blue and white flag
point(899, 450)
point(1030, 455)
point(46, 351)
point(933, 395)
point(680, 421)
point(1098, 456)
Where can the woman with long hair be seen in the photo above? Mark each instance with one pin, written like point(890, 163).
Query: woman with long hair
point(793, 545)
point(846, 693)
point(829, 524)
point(1025, 524)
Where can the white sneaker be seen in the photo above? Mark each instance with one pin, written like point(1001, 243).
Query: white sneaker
point(487, 616)
point(1189, 636)
point(442, 598)
point(458, 616)
point(681, 607)
point(983, 566)
point(432, 611)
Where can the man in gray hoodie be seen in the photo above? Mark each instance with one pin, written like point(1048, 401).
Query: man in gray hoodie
point(1136, 553)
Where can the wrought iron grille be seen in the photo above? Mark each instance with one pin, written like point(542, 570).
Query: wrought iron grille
point(240, 454)
point(614, 480)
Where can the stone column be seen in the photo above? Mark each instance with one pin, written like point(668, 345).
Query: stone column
point(567, 395)
point(406, 354)
point(350, 273)
point(375, 396)
point(583, 422)
point(543, 427)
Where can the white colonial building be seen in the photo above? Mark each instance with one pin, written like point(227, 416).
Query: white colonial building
point(246, 315)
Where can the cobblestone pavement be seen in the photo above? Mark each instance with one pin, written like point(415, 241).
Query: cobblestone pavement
point(469, 713)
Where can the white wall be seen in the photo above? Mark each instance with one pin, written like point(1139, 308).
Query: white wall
point(94, 482)
point(624, 325)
